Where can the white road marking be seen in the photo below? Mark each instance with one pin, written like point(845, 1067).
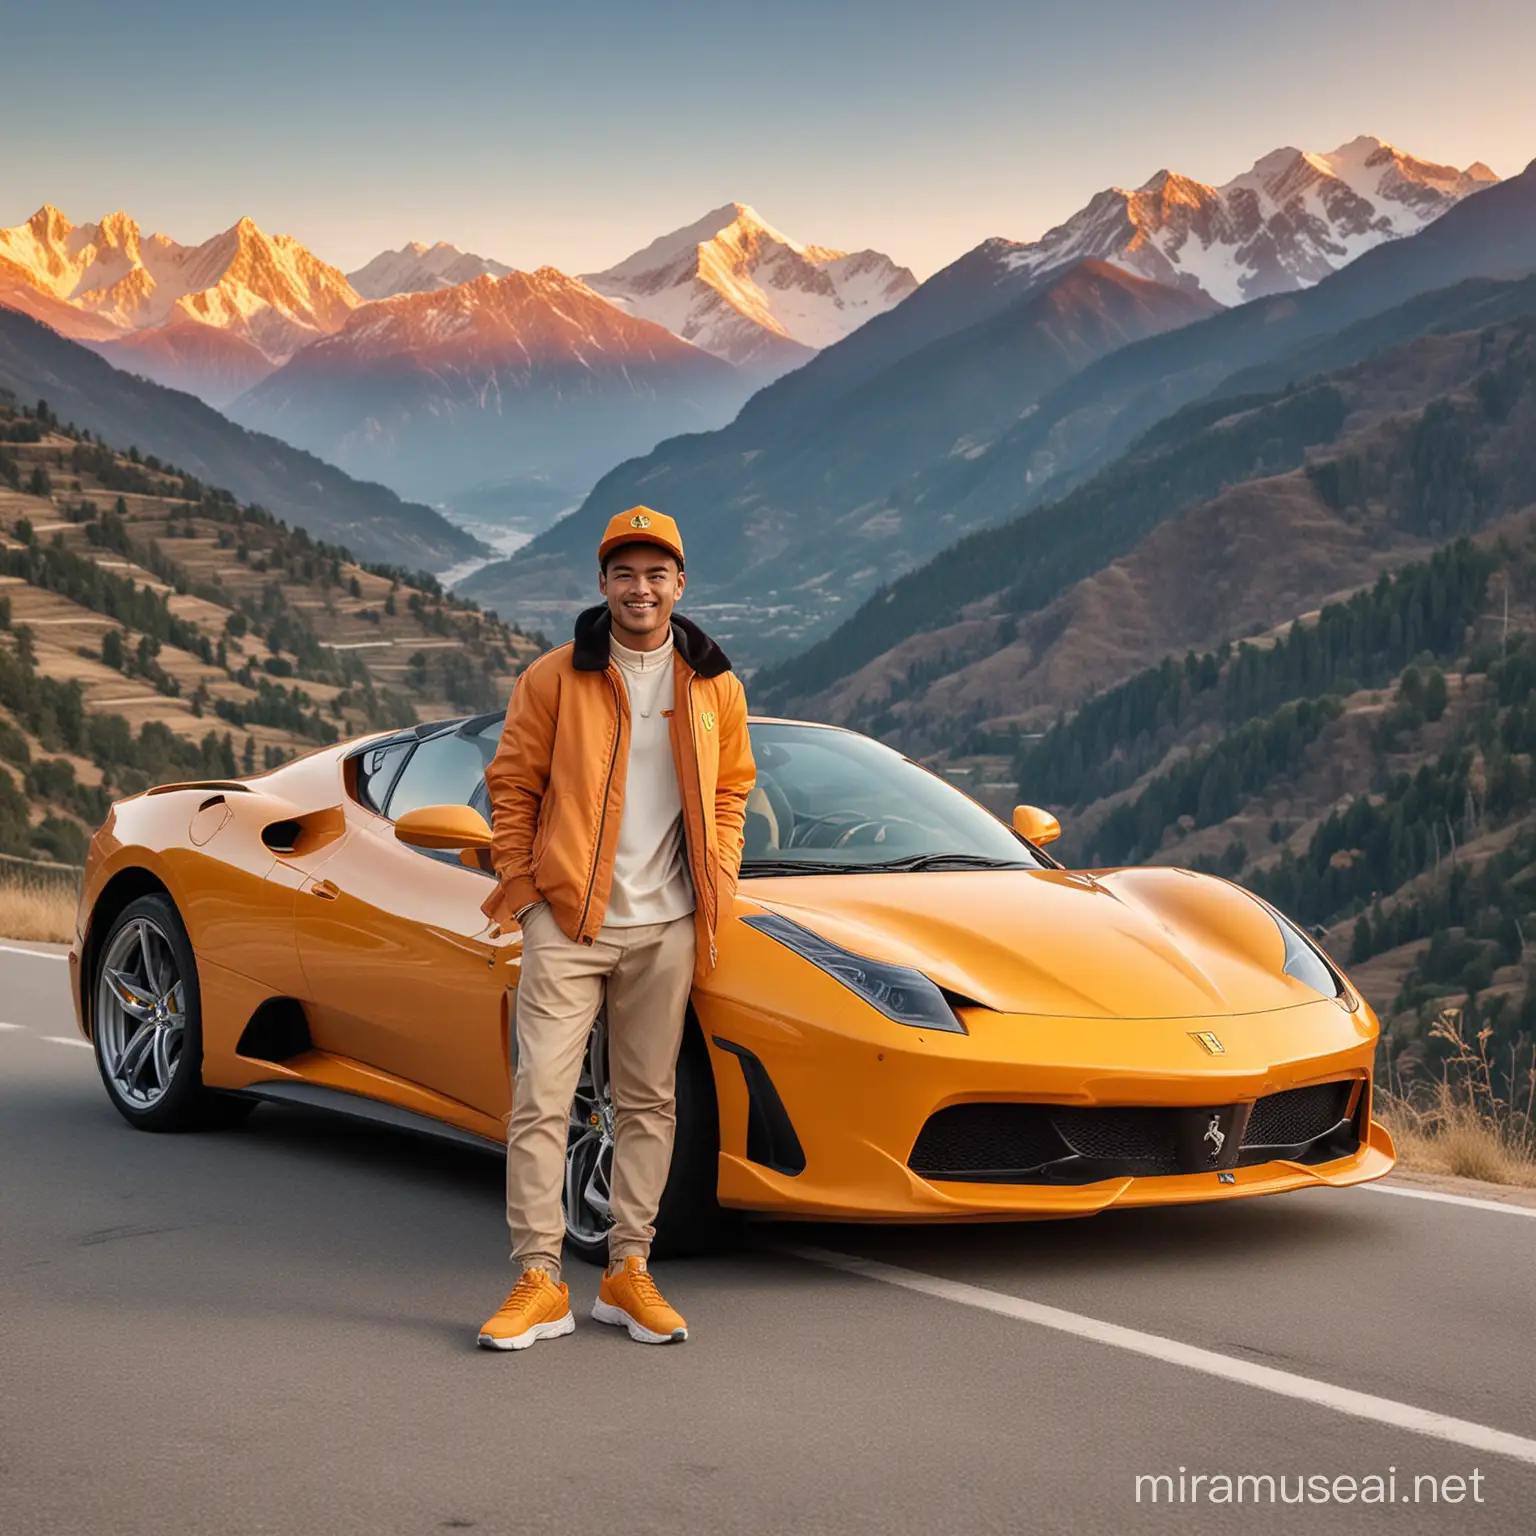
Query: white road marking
point(84, 1045)
point(1360, 1405)
point(1504, 1208)
point(39, 954)
point(12, 1026)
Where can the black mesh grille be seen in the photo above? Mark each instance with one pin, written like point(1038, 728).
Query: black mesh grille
point(985, 1138)
point(1297, 1115)
point(1038, 1143)
point(1133, 1133)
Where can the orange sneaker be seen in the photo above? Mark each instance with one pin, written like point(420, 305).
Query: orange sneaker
point(536, 1309)
point(629, 1299)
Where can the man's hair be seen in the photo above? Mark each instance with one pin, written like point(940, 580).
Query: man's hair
point(618, 549)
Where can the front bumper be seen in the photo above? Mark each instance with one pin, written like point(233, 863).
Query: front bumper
point(858, 1092)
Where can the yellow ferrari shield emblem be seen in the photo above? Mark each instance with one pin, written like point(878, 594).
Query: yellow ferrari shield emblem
point(1209, 1041)
point(639, 520)
point(708, 717)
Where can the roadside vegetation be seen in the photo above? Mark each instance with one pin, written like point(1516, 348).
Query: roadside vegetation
point(1466, 1123)
point(37, 901)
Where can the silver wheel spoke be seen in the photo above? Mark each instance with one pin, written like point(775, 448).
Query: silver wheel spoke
point(146, 961)
point(136, 1000)
point(132, 1058)
point(164, 1066)
point(176, 1002)
point(597, 1194)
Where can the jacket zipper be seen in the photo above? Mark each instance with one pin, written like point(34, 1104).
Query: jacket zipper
point(602, 820)
point(698, 784)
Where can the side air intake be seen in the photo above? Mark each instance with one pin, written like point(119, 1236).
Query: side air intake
point(277, 1031)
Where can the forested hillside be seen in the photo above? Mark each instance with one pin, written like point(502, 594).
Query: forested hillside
point(153, 628)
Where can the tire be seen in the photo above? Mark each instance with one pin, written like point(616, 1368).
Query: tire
point(690, 1218)
point(147, 1024)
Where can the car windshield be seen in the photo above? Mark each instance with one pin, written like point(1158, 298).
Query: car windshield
point(836, 801)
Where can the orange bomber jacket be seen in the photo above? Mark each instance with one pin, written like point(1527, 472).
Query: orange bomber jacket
point(557, 780)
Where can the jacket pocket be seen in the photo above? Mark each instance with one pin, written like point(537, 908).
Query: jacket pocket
point(541, 832)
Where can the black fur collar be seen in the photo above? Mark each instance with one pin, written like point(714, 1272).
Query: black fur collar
point(590, 652)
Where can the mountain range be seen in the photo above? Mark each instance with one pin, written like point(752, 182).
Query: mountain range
point(1285, 224)
point(214, 317)
point(535, 378)
point(899, 415)
point(854, 516)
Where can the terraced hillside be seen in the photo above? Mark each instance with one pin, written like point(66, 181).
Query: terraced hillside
point(152, 628)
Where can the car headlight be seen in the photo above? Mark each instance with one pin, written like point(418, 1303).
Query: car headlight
point(1305, 961)
point(902, 994)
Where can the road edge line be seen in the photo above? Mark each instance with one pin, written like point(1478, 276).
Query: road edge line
point(1441, 1197)
point(1360, 1405)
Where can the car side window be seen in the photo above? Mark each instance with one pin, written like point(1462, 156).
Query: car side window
point(377, 771)
point(443, 770)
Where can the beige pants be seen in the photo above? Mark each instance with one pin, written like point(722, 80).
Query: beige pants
point(645, 974)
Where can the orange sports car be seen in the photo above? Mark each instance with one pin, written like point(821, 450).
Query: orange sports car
point(917, 1015)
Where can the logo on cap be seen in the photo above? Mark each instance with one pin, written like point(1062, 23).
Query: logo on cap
point(639, 520)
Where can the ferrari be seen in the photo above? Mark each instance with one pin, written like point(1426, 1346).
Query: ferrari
point(917, 1015)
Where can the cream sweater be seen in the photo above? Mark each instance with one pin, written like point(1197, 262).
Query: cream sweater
point(651, 883)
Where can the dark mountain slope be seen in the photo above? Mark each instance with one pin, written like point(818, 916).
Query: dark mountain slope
point(1188, 456)
point(372, 522)
point(816, 527)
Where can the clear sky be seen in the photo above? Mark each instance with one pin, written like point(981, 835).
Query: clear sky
point(573, 133)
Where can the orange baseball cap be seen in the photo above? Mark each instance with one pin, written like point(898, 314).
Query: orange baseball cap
point(640, 525)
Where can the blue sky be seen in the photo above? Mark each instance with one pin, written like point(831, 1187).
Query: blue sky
point(572, 134)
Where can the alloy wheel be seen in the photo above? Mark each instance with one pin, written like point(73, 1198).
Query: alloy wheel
point(141, 1012)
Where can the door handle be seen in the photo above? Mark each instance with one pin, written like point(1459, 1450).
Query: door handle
point(326, 889)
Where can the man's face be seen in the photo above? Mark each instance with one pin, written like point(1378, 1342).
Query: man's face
point(642, 583)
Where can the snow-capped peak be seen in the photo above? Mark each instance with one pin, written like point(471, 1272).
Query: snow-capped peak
point(1290, 220)
point(419, 268)
point(738, 287)
point(267, 290)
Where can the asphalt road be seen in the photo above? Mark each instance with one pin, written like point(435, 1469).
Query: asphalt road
point(272, 1330)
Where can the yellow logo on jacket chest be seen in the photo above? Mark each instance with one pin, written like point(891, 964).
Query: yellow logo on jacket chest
point(708, 719)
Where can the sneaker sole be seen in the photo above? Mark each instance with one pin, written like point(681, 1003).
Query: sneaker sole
point(606, 1312)
point(554, 1330)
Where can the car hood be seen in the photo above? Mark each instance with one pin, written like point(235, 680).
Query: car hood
point(1130, 943)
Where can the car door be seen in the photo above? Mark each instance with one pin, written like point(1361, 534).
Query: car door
point(402, 970)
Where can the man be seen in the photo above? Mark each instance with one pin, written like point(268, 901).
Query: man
point(618, 794)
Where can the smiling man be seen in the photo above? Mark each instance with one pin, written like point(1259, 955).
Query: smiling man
point(618, 795)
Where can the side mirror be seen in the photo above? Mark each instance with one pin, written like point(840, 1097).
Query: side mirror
point(1037, 825)
point(443, 826)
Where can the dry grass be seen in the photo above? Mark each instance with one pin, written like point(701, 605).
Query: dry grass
point(37, 909)
point(1461, 1124)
